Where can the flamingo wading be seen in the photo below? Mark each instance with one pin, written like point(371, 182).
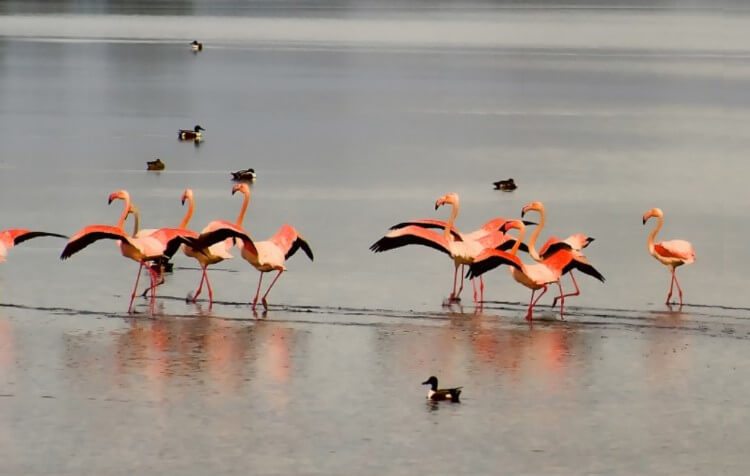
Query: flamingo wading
point(673, 253)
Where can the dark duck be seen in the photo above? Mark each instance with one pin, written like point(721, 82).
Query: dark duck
point(505, 185)
point(437, 394)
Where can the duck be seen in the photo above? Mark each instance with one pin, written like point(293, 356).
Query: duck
point(246, 174)
point(187, 134)
point(155, 164)
point(196, 46)
point(436, 394)
point(505, 185)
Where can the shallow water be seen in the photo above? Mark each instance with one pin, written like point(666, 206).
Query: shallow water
point(353, 126)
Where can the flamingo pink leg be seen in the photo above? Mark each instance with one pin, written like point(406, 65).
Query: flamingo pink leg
point(210, 291)
point(263, 300)
point(257, 291)
point(671, 287)
point(562, 300)
point(200, 285)
point(461, 288)
point(481, 288)
point(474, 286)
point(135, 288)
point(154, 284)
point(532, 302)
point(455, 278)
point(576, 293)
point(679, 289)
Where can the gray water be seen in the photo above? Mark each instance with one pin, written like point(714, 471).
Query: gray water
point(356, 119)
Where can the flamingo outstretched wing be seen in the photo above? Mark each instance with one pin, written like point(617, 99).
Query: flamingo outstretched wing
point(429, 223)
point(679, 249)
point(289, 241)
point(219, 234)
point(90, 234)
point(491, 259)
point(411, 235)
point(584, 267)
point(20, 235)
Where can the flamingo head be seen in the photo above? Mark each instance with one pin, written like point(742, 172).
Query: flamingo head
point(187, 195)
point(241, 187)
point(654, 212)
point(536, 206)
point(451, 198)
point(120, 194)
point(510, 224)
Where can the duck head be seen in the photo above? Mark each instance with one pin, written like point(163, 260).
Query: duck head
point(451, 198)
point(432, 381)
point(198, 128)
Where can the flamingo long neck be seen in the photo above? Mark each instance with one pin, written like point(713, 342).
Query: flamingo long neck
point(652, 235)
point(451, 220)
point(125, 211)
point(241, 216)
point(532, 241)
point(521, 233)
point(136, 221)
point(189, 214)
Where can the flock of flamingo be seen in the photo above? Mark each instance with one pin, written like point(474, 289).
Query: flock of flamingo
point(481, 250)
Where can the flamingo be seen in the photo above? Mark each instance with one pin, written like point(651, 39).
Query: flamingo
point(574, 243)
point(143, 248)
point(461, 247)
point(213, 254)
point(671, 253)
point(536, 276)
point(269, 255)
point(15, 236)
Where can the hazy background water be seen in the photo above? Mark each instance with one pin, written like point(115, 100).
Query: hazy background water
point(358, 115)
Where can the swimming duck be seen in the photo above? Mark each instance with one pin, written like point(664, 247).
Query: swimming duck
point(187, 134)
point(246, 174)
point(196, 46)
point(505, 185)
point(155, 164)
point(436, 394)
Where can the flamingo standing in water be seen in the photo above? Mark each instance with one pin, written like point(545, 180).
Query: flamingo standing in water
point(671, 253)
point(269, 255)
point(15, 236)
point(143, 248)
point(462, 248)
point(536, 276)
point(575, 243)
point(213, 254)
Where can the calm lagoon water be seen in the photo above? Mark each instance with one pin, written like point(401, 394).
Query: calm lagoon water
point(355, 118)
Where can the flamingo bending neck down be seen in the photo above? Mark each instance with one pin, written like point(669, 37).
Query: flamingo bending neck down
point(215, 253)
point(574, 243)
point(536, 276)
point(461, 247)
point(15, 236)
point(672, 253)
point(271, 254)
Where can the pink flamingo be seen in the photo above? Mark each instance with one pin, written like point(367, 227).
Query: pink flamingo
point(144, 248)
point(461, 247)
point(574, 243)
point(536, 276)
point(15, 236)
point(671, 253)
point(269, 255)
point(213, 254)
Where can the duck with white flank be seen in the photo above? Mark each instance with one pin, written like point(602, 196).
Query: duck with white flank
point(187, 134)
point(196, 46)
point(436, 394)
point(245, 174)
point(505, 185)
